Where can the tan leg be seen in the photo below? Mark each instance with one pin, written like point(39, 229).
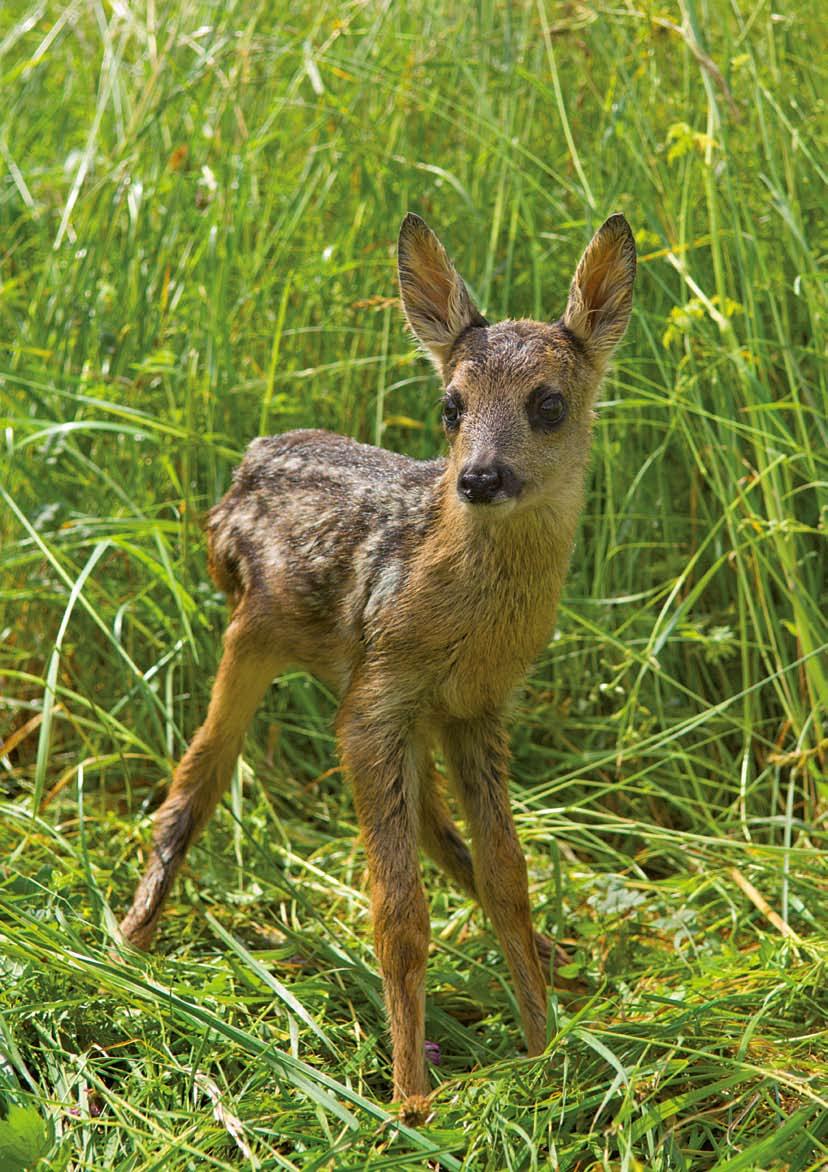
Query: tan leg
point(443, 842)
point(440, 838)
point(203, 774)
point(478, 758)
point(385, 765)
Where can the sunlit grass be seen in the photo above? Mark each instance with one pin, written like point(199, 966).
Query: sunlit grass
point(197, 214)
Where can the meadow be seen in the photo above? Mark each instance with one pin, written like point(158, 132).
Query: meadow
point(198, 210)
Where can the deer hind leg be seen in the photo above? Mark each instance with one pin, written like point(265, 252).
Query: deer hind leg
point(245, 671)
point(385, 766)
point(443, 842)
point(477, 755)
point(441, 839)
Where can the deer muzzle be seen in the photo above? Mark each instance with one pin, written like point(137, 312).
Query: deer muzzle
point(488, 484)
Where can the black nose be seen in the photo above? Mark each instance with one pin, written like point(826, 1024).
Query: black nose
point(480, 483)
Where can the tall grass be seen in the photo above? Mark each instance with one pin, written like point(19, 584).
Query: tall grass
point(198, 205)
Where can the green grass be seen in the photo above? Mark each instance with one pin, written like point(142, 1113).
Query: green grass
point(198, 205)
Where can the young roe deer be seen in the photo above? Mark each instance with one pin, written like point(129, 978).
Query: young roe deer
point(420, 591)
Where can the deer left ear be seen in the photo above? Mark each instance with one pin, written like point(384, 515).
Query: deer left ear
point(600, 297)
point(437, 304)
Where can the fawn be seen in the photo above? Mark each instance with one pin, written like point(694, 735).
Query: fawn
point(420, 591)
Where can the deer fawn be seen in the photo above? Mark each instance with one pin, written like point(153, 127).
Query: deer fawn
point(420, 591)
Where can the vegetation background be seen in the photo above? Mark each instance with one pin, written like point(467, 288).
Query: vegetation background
point(198, 207)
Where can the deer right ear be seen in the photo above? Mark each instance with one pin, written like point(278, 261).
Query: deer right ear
point(436, 302)
point(600, 297)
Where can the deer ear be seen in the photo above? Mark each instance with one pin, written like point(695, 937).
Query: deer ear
point(600, 297)
point(436, 302)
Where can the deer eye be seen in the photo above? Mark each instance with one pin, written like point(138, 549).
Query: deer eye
point(452, 411)
point(547, 409)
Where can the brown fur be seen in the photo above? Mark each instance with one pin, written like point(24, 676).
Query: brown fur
point(423, 603)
